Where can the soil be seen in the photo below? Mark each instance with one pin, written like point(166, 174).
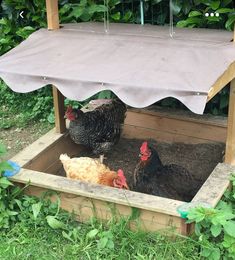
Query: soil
point(16, 139)
point(198, 159)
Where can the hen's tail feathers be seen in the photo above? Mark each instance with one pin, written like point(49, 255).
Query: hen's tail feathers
point(64, 157)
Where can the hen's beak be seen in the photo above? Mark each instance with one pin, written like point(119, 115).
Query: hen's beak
point(126, 186)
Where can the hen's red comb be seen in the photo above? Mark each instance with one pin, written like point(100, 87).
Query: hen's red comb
point(121, 175)
point(69, 109)
point(144, 147)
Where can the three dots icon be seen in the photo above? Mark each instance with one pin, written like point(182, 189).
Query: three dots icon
point(212, 14)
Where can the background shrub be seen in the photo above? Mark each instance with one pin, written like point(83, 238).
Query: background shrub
point(14, 29)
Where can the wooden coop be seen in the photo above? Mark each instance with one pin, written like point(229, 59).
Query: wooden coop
point(40, 161)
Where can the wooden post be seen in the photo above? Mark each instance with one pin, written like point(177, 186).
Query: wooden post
point(230, 143)
point(59, 110)
point(53, 24)
point(52, 14)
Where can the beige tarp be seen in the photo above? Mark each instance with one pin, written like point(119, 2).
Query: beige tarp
point(140, 64)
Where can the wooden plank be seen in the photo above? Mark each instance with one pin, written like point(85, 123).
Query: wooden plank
point(52, 14)
point(85, 208)
point(104, 193)
point(58, 99)
point(53, 24)
point(143, 133)
point(174, 129)
point(186, 229)
point(41, 145)
point(230, 143)
point(222, 81)
point(43, 154)
point(181, 115)
point(48, 161)
point(216, 184)
point(153, 221)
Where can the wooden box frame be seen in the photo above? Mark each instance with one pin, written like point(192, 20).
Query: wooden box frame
point(88, 200)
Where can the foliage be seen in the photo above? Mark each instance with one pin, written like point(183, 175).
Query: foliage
point(45, 243)
point(28, 221)
point(7, 194)
point(216, 227)
point(24, 106)
point(14, 206)
point(14, 29)
point(196, 14)
point(92, 240)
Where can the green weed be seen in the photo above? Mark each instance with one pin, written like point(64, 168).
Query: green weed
point(216, 227)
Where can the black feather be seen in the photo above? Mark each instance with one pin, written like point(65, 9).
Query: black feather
point(170, 181)
point(99, 129)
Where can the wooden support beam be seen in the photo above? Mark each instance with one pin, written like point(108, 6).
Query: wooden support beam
point(222, 81)
point(230, 143)
point(59, 110)
point(52, 14)
point(53, 24)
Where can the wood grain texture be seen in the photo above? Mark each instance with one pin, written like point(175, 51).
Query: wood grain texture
point(58, 100)
point(186, 229)
point(216, 184)
point(89, 200)
point(230, 143)
point(156, 213)
point(95, 191)
point(48, 161)
point(141, 123)
point(52, 14)
point(222, 81)
point(43, 144)
point(181, 115)
point(85, 208)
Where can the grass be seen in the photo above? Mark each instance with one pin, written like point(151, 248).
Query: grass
point(31, 236)
point(19, 110)
point(27, 242)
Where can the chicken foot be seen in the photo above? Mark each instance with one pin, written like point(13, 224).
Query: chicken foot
point(102, 158)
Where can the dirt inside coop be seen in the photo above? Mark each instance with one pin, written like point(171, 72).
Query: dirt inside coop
point(199, 159)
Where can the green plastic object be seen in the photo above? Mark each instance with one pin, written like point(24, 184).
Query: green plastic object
point(185, 207)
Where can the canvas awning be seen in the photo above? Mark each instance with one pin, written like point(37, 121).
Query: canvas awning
point(140, 64)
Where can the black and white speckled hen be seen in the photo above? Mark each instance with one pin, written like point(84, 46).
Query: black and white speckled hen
point(170, 181)
point(100, 128)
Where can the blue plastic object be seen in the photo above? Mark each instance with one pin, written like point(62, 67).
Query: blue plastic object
point(14, 171)
point(184, 208)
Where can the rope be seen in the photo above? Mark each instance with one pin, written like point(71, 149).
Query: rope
point(106, 17)
point(171, 25)
point(142, 12)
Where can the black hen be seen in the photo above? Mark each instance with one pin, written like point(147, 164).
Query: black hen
point(170, 181)
point(98, 129)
